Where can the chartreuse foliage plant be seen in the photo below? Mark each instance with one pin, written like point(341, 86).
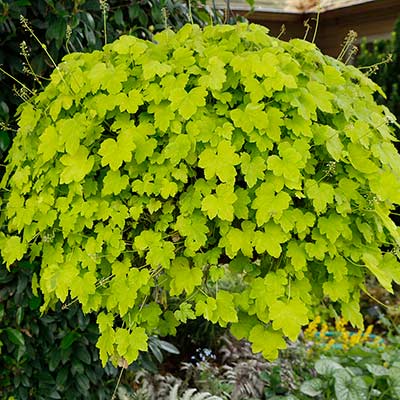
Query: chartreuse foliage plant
point(148, 175)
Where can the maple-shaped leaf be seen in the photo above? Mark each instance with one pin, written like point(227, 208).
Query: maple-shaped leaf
point(216, 74)
point(299, 125)
point(359, 132)
point(154, 68)
point(113, 80)
point(373, 261)
point(266, 341)
point(183, 278)
point(257, 292)
point(160, 254)
point(168, 188)
point(143, 145)
point(168, 324)
point(253, 115)
point(132, 101)
point(385, 186)
point(150, 315)
point(220, 204)
point(387, 222)
point(183, 58)
point(96, 76)
point(335, 226)
point(71, 131)
point(76, 166)
point(163, 115)
point(289, 316)
point(326, 135)
point(361, 159)
point(252, 168)
point(304, 102)
point(390, 266)
point(12, 249)
point(117, 285)
point(275, 283)
point(225, 311)
point(301, 288)
point(240, 205)
point(21, 178)
point(101, 103)
point(130, 341)
point(184, 312)
point(239, 239)
point(387, 154)
point(82, 286)
point(194, 228)
point(106, 340)
point(242, 328)
point(296, 252)
point(255, 90)
point(269, 204)
point(287, 165)
point(274, 119)
point(318, 248)
point(270, 239)
point(114, 183)
point(351, 312)
point(322, 97)
point(206, 308)
point(178, 148)
point(220, 162)
point(321, 194)
point(61, 102)
point(128, 280)
point(115, 152)
point(128, 45)
point(187, 103)
point(337, 289)
point(332, 76)
point(153, 95)
point(56, 278)
point(49, 145)
point(146, 239)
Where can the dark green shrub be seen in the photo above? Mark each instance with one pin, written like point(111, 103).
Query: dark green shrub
point(46, 357)
point(383, 59)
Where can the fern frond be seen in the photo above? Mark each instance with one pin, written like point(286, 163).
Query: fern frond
point(140, 394)
point(191, 394)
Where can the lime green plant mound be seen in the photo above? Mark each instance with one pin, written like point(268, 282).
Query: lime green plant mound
point(218, 173)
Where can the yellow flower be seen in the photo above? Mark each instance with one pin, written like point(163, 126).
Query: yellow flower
point(340, 324)
point(356, 338)
point(368, 331)
point(344, 337)
point(329, 344)
point(312, 328)
point(324, 329)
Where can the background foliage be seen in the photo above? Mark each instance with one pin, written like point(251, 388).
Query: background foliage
point(304, 371)
point(45, 357)
point(374, 56)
